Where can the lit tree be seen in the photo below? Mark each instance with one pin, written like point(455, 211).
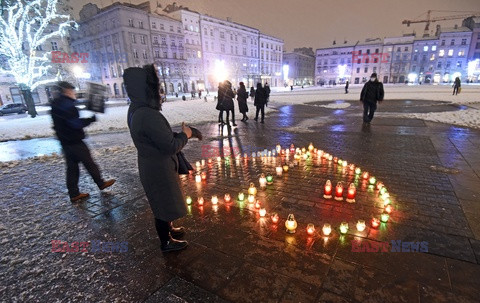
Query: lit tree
point(25, 25)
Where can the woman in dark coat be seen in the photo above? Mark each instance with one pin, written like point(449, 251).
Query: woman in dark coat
point(242, 97)
point(220, 103)
point(260, 101)
point(157, 147)
point(228, 96)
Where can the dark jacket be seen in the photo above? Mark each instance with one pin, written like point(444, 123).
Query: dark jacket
point(242, 97)
point(267, 91)
point(220, 98)
point(157, 147)
point(252, 92)
point(260, 97)
point(227, 97)
point(372, 92)
point(457, 83)
point(67, 122)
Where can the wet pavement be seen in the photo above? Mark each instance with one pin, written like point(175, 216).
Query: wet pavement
point(431, 170)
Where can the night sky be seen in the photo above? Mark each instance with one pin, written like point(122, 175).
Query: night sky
point(316, 23)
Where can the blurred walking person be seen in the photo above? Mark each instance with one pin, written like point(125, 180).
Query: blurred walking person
point(456, 86)
point(346, 87)
point(372, 93)
point(68, 127)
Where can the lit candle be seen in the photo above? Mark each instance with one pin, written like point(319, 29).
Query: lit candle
point(197, 163)
point(198, 178)
point(387, 201)
point(343, 227)
point(361, 225)
point(189, 200)
point(305, 156)
point(227, 198)
point(303, 150)
point(340, 162)
point(327, 229)
point(214, 200)
point(263, 181)
point(365, 175)
point(383, 190)
point(352, 166)
point(320, 153)
point(203, 162)
point(285, 167)
point(389, 208)
point(204, 175)
point(279, 170)
point(328, 190)
point(375, 223)
point(269, 179)
point(358, 171)
point(344, 163)
point(384, 217)
point(209, 160)
point(291, 224)
point(372, 180)
point(330, 157)
point(335, 159)
point(262, 212)
point(258, 204)
point(315, 150)
point(251, 198)
point(279, 148)
point(352, 191)
point(269, 153)
point(275, 218)
point(241, 196)
point(310, 147)
point(219, 159)
point(252, 190)
point(200, 201)
point(380, 185)
point(310, 229)
point(292, 148)
point(339, 192)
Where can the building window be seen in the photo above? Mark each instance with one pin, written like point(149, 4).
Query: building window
point(222, 48)
point(358, 70)
point(171, 28)
point(179, 29)
point(450, 52)
point(154, 25)
point(144, 54)
point(206, 46)
point(425, 48)
point(211, 32)
point(461, 53)
point(174, 55)
point(406, 48)
point(133, 38)
point(439, 64)
point(375, 60)
point(157, 54)
point(231, 49)
point(375, 69)
point(459, 64)
point(452, 42)
point(434, 48)
point(244, 40)
point(155, 40)
point(130, 22)
point(443, 43)
point(191, 28)
point(464, 41)
point(399, 49)
point(441, 53)
point(212, 47)
point(165, 55)
point(245, 51)
point(142, 39)
point(199, 54)
point(164, 40)
point(135, 54)
point(205, 32)
point(222, 35)
point(54, 45)
point(140, 24)
point(448, 64)
point(162, 27)
point(366, 70)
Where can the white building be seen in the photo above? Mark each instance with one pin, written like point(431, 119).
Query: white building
point(396, 67)
point(473, 68)
point(271, 57)
point(334, 64)
point(301, 67)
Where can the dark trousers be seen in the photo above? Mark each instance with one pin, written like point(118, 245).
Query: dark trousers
point(233, 115)
point(163, 230)
point(368, 111)
point(260, 108)
point(220, 116)
point(74, 154)
point(455, 90)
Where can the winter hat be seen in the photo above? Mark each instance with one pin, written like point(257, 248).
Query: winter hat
point(374, 75)
point(65, 85)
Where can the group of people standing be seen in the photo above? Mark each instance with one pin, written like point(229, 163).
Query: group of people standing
point(225, 103)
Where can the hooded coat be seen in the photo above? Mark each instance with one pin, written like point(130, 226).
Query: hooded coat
point(227, 96)
point(157, 146)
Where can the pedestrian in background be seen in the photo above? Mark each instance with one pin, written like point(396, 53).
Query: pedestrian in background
point(456, 86)
point(228, 105)
point(372, 93)
point(158, 148)
point(252, 92)
point(220, 106)
point(267, 92)
point(260, 102)
point(346, 87)
point(68, 127)
point(242, 97)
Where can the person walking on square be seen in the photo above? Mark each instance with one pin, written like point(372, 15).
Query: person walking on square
point(242, 97)
point(228, 105)
point(260, 101)
point(252, 93)
point(267, 92)
point(68, 127)
point(456, 86)
point(372, 93)
point(346, 87)
point(158, 148)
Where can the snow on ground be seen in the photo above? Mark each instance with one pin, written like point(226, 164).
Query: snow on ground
point(197, 111)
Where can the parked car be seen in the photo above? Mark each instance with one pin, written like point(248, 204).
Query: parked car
point(14, 108)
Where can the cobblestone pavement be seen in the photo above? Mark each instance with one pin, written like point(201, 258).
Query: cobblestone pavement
point(432, 172)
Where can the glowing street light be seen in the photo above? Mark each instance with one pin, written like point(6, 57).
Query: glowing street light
point(220, 71)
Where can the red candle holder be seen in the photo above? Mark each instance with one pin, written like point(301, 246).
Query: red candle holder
point(275, 218)
point(351, 192)
point(380, 185)
point(200, 201)
point(375, 223)
point(339, 192)
point(335, 159)
point(310, 229)
point(258, 204)
point(203, 175)
point(328, 190)
point(365, 175)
